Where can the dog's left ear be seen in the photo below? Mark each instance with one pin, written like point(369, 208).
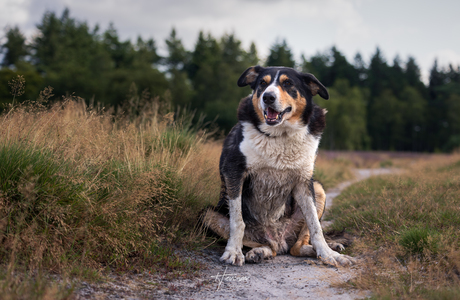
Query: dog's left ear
point(315, 86)
point(249, 76)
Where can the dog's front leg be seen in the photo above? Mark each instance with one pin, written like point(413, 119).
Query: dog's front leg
point(233, 251)
point(304, 195)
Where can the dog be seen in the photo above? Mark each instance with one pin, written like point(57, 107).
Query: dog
point(269, 201)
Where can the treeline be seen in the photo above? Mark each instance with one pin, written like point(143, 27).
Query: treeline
point(374, 105)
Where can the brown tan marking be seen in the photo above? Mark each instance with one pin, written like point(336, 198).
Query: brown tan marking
point(251, 76)
point(298, 104)
point(267, 79)
point(298, 108)
point(285, 99)
point(314, 88)
point(257, 107)
point(283, 78)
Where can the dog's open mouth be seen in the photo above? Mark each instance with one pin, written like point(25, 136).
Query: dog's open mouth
point(272, 117)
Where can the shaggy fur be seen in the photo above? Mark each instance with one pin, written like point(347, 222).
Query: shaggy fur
point(269, 200)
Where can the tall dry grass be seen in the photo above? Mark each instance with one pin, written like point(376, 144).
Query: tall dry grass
point(407, 230)
point(82, 188)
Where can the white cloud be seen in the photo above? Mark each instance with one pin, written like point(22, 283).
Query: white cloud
point(12, 12)
point(408, 28)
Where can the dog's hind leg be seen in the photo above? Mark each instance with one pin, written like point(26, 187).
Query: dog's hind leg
point(302, 247)
point(220, 225)
point(320, 198)
point(217, 223)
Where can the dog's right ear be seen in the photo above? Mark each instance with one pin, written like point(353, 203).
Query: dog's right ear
point(249, 76)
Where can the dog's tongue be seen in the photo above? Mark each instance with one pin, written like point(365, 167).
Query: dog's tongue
point(271, 113)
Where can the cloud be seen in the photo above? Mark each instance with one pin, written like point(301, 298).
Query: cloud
point(12, 12)
point(256, 20)
point(307, 25)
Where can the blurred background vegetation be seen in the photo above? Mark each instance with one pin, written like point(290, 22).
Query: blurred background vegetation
point(375, 105)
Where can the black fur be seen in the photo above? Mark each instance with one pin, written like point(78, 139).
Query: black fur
point(232, 162)
point(236, 179)
point(232, 167)
point(316, 120)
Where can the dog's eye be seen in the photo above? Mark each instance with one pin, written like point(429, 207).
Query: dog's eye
point(263, 83)
point(287, 83)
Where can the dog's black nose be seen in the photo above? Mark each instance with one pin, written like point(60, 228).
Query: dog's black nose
point(269, 97)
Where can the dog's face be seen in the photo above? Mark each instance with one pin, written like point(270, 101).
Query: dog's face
point(281, 94)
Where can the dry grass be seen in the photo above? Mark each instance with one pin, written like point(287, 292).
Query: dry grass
point(331, 171)
point(375, 159)
point(82, 190)
point(407, 229)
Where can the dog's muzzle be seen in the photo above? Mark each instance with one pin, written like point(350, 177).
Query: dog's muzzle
point(273, 117)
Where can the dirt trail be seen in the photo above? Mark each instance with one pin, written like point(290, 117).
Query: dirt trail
point(283, 277)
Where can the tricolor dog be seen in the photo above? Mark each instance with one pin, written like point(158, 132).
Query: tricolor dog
point(269, 201)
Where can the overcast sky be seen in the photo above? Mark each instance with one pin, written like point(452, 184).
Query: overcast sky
point(424, 29)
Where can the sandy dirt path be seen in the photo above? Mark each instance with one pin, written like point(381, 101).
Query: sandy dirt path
point(283, 277)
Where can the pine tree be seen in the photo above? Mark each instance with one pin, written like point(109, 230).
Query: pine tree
point(177, 59)
point(341, 68)
point(252, 58)
point(280, 55)
point(177, 55)
point(15, 48)
point(378, 74)
point(396, 78)
point(319, 66)
point(360, 67)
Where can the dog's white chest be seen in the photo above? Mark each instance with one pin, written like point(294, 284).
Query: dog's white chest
point(275, 166)
point(295, 152)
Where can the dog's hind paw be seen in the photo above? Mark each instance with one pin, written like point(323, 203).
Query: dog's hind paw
point(336, 247)
point(257, 255)
point(233, 257)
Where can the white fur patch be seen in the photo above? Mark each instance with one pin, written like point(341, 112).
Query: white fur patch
point(273, 89)
point(233, 253)
point(293, 151)
point(236, 222)
point(307, 205)
point(276, 164)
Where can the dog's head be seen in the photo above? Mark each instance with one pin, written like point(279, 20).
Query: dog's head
point(282, 95)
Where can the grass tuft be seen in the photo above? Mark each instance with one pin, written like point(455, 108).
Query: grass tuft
point(83, 190)
point(419, 240)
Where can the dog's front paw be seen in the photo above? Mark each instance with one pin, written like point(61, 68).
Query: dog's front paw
point(233, 256)
point(332, 258)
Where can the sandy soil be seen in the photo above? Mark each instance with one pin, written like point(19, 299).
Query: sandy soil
point(283, 277)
